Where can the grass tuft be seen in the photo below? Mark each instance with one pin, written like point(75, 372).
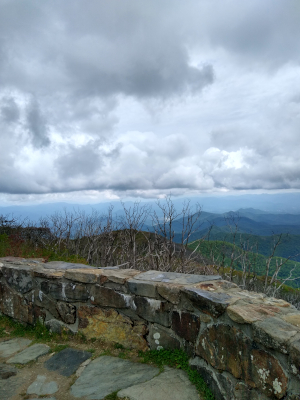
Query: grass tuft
point(177, 359)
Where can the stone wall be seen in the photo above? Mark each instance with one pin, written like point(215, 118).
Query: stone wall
point(244, 344)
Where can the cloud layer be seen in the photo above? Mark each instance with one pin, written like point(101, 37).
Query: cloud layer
point(144, 98)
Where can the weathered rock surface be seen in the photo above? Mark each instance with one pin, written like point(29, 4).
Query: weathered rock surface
point(169, 385)
point(67, 312)
point(14, 305)
point(111, 326)
point(153, 310)
point(56, 326)
point(18, 278)
point(67, 361)
point(175, 277)
point(214, 304)
point(105, 375)
point(186, 325)
point(66, 291)
point(228, 349)
point(142, 288)
point(29, 354)
point(162, 338)
point(248, 313)
point(106, 297)
point(170, 292)
point(274, 333)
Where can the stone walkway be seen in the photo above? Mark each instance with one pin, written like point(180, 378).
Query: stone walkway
point(28, 371)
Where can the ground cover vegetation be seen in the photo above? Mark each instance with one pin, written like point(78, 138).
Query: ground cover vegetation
point(167, 243)
point(57, 342)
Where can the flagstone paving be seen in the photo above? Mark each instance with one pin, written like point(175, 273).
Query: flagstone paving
point(67, 361)
point(10, 347)
point(105, 375)
point(29, 354)
point(71, 374)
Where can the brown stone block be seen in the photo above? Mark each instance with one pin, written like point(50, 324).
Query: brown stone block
point(116, 275)
point(83, 275)
point(293, 319)
point(186, 325)
point(111, 326)
point(48, 273)
point(228, 349)
point(106, 297)
point(249, 313)
point(170, 292)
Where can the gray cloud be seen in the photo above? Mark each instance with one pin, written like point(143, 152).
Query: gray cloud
point(9, 110)
point(36, 125)
point(145, 98)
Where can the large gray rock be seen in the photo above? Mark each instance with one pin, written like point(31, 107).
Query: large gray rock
point(29, 354)
point(170, 385)
point(175, 277)
point(106, 374)
point(10, 347)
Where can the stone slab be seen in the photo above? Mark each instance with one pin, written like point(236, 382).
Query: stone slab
point(67, 361)
point(170, 385)
point(249, 313)
point(65, 265)
point(274, 333)
point(142, 288)
point(10, 347)
point(41, 387)
point(29, 354)
point(213, 304)
point(105, 375)
point(175, 277)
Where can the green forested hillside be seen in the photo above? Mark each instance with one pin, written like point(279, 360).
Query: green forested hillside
point(289, 246)
point(222, 251)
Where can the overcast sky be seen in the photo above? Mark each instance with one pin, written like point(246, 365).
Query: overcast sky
point(102, 99)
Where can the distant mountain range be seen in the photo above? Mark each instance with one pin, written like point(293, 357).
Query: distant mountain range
point(248, 205)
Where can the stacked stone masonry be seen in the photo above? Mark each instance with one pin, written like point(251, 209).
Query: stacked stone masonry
point(244, 344)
